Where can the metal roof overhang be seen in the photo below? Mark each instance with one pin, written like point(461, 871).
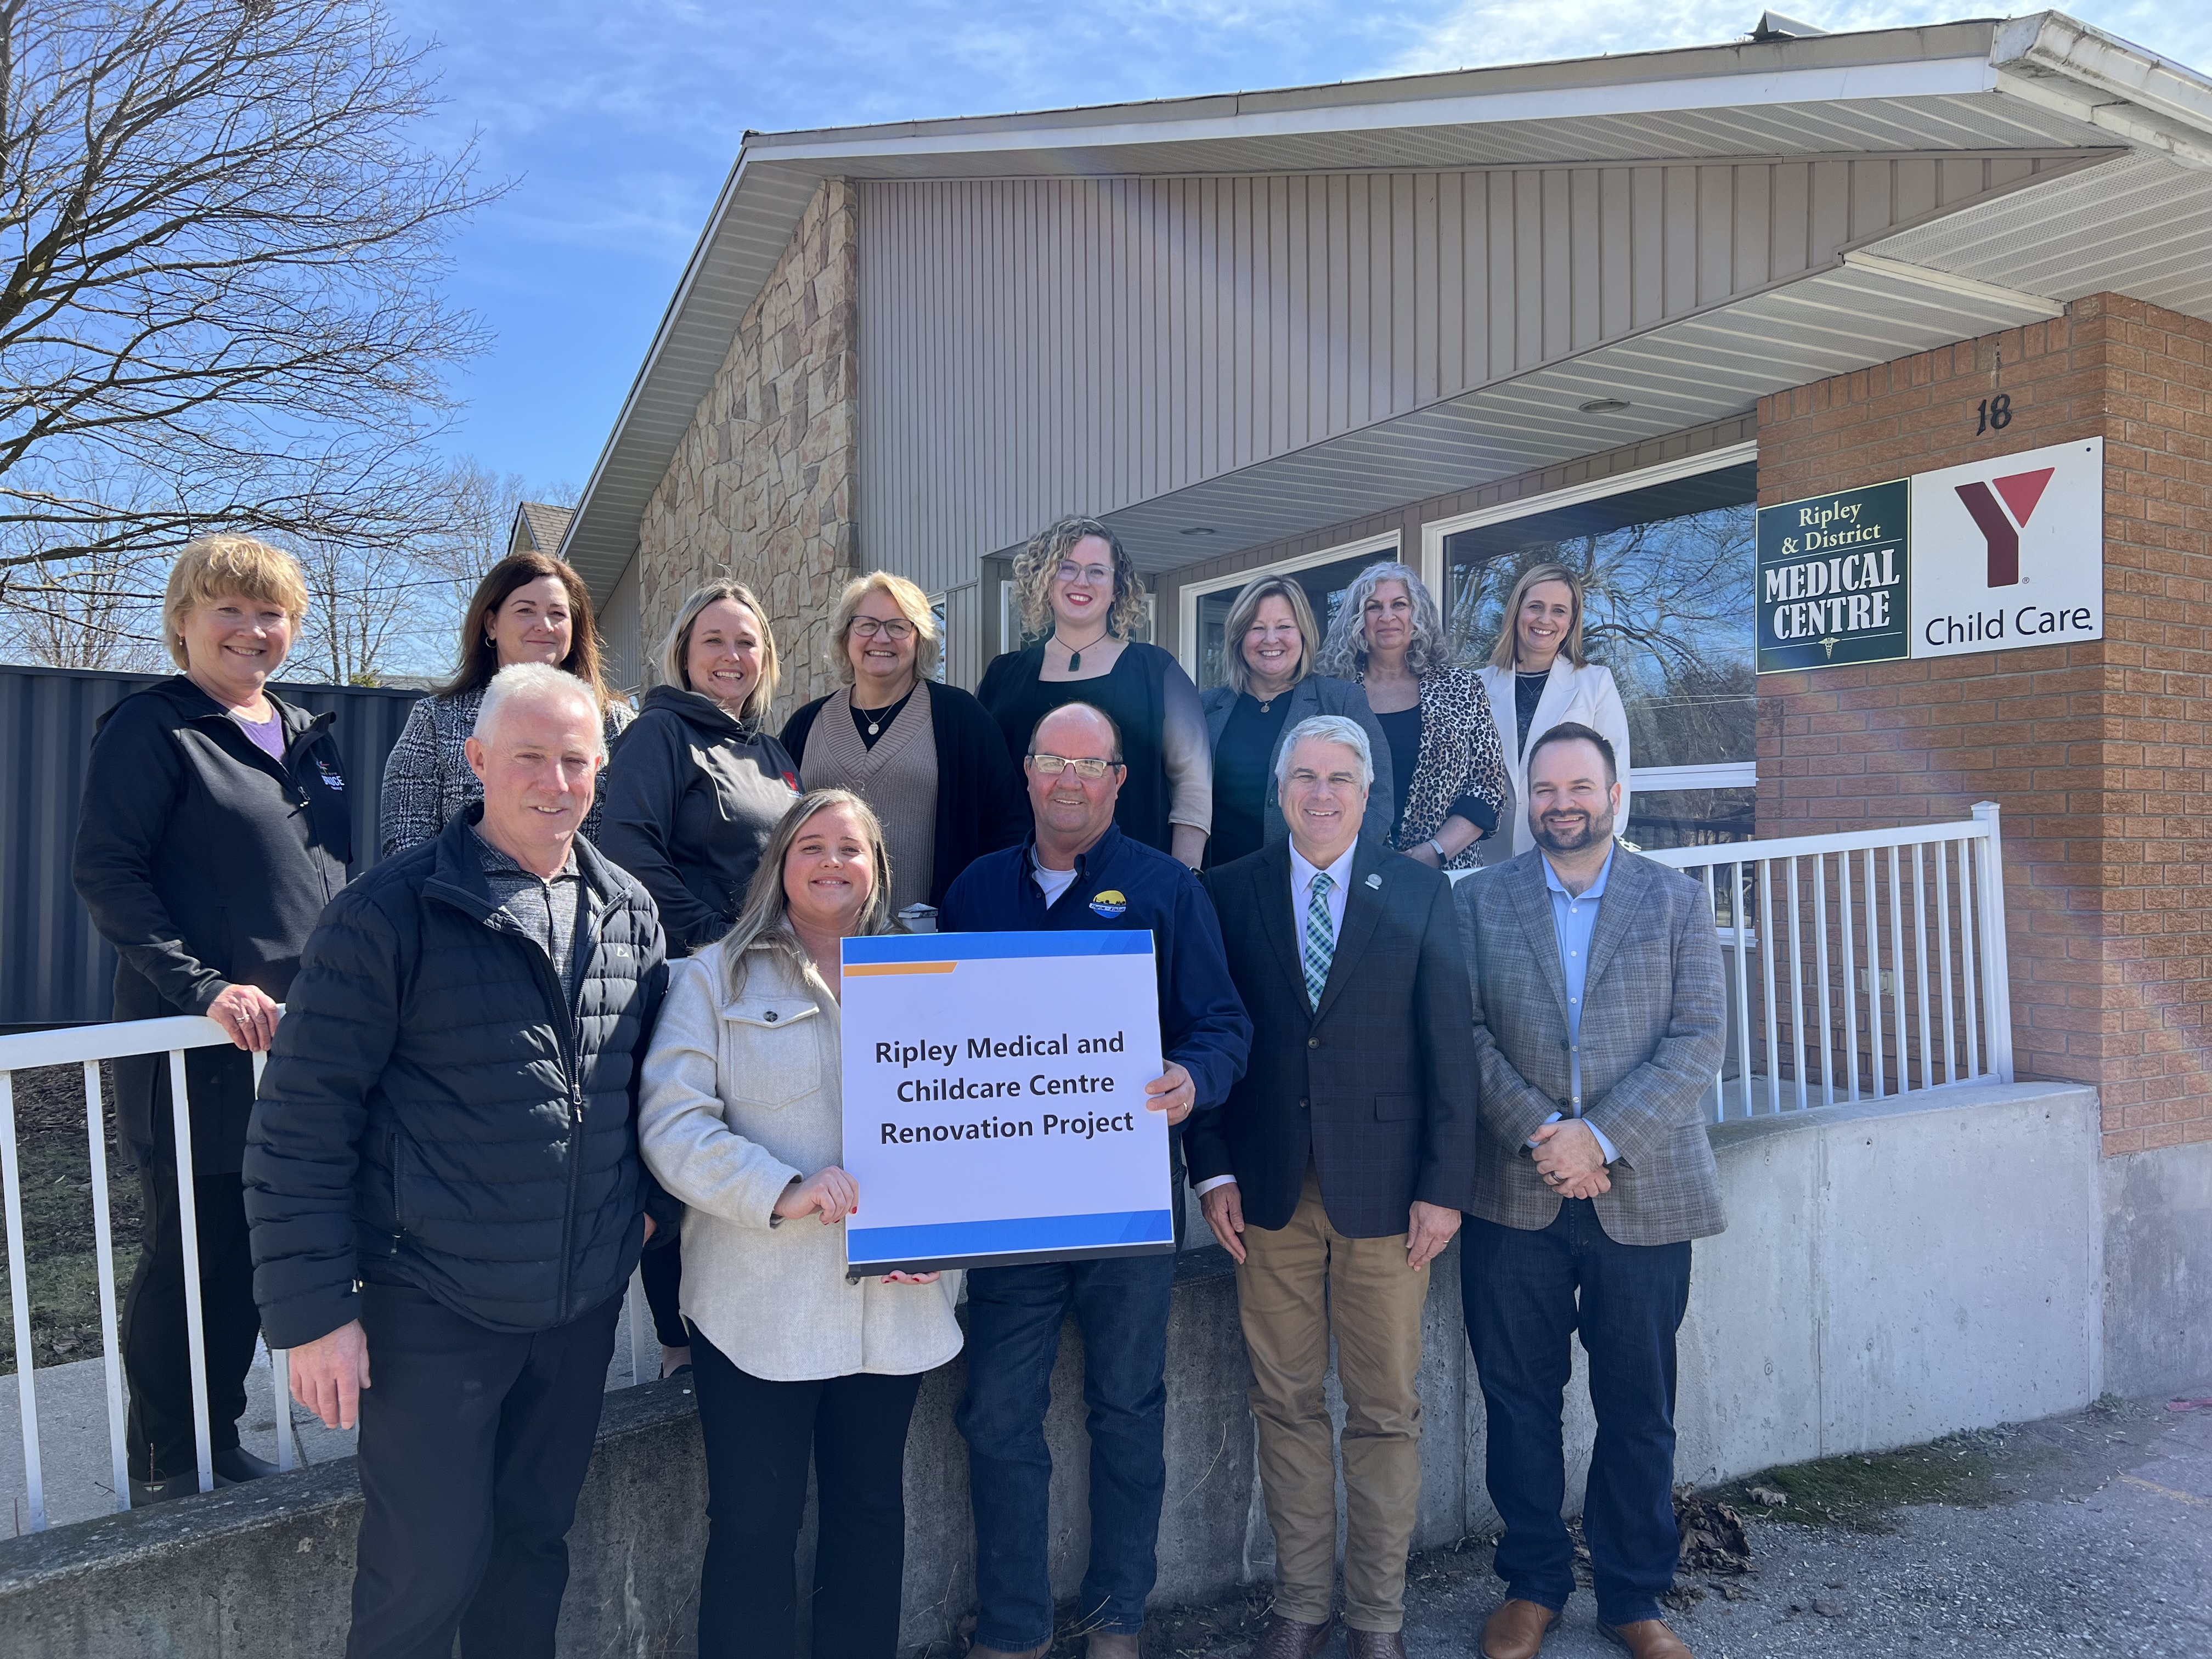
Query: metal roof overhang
point(2038, 84)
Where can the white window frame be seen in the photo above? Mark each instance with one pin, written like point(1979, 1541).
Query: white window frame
point(1190, 594)
point(940, 608)
point(1721, 774)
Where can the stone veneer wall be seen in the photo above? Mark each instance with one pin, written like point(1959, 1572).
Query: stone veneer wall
point(763, 486)
point(2097, 751)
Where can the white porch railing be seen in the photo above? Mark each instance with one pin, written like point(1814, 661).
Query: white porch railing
point(85, 1047)
point(1860, 965)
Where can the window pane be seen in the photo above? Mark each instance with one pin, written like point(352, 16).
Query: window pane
point(1690, 817)
point(1666, 573)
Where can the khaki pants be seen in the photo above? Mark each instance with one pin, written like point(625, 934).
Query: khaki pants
point(1295, 1285)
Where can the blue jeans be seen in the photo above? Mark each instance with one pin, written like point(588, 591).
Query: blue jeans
point(1014, 1316)
point(1526, 1294)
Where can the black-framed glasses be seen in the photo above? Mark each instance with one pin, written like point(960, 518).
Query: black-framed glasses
point(898, 630)
point(1089, 770)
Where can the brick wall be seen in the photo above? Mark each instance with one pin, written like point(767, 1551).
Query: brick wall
point(762, 486)
point(2098, 753)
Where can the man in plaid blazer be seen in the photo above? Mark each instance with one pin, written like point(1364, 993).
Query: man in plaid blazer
point(1600, 1019)
point(1335, 1173)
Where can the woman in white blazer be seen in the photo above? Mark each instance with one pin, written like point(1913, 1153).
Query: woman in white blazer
point(741, 1117)
point(1538, 678)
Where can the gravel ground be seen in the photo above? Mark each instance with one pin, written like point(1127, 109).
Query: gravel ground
point(2083, 1535)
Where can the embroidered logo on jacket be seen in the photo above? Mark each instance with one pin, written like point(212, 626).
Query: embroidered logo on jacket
point(331, 778)
point(1108, 903)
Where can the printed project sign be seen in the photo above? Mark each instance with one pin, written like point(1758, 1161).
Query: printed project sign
point(994, 1099)
point(2009, 552)
point(1834, 575)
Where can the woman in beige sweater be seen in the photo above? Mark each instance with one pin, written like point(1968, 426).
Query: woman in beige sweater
point(741, 1117)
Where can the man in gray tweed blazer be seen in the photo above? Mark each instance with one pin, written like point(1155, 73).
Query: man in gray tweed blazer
point(1599, 1018)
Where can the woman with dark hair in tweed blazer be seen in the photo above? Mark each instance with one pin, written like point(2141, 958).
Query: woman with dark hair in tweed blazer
point(1447, 766)
point(528, 608)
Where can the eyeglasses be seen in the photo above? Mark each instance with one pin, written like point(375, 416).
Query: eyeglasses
point(896, 631)
point(1051, 765)
point(1091, 575)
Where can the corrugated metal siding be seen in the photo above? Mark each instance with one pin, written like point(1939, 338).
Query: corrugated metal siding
point(621, 647)
point(54, 969)
point(1030, 347)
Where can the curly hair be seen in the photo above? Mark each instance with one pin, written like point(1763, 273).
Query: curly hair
point(1343, 654)
point(1037, 564)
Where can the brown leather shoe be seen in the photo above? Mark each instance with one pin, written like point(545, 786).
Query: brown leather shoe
point(1375, 1644)
point(1516, 1630)
point(1287, 1639)
point(1647, 1639)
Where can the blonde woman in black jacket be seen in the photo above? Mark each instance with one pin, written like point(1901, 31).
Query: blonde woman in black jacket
point(214, 830)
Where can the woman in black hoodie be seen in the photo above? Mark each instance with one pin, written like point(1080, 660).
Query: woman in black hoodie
point(214, 830)
point(694, 789)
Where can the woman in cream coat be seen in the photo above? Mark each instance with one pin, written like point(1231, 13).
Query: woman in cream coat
point(741, 1118)
point(1538, 678)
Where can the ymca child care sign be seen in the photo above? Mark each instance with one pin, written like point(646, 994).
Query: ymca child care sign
point(994, 1099)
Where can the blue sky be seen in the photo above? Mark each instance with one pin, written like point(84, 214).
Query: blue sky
point(620, 118)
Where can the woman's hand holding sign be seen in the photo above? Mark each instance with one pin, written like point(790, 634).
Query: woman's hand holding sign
point(831, 1191)
point(836, 1195)
point(1172, 1092)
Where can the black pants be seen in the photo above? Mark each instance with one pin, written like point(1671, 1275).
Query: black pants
point(1527, 1295)
point(663, 1273)
point(474, 1444)
point(156, 1360)
point(758, 1435)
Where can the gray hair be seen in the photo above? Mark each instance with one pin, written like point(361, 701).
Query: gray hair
point(1345, 652)
point(537, 682)
point(1327, 728)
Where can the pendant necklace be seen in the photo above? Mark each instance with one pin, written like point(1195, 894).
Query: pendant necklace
point(1075, 658)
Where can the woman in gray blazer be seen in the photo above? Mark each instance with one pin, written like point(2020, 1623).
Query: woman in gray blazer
point(1271, 640)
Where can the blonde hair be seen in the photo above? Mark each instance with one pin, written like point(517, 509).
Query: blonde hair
point(765, 922)
point(913, 603)
point(1507, 652)
point(677, 644)
point(1245, 610)
point(213, 566)
point(1037, 564)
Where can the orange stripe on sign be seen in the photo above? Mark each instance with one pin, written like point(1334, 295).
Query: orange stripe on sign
point(870, 969)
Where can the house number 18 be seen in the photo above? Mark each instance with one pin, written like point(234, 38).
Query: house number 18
point(1995, 414)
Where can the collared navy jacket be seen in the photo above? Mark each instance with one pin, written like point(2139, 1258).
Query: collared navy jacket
point(1203, 1025)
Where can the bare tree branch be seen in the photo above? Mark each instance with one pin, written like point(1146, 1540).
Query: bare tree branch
point(221, 248)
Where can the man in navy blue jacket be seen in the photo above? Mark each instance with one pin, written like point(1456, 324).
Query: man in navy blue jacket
point(1079, 872)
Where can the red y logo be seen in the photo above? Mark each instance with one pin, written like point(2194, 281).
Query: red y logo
point(2021, 492)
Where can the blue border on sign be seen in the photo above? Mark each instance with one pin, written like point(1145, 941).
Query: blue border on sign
point(939, 1241)
point(979, 947)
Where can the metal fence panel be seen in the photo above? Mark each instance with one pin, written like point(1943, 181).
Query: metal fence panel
point(54, 969)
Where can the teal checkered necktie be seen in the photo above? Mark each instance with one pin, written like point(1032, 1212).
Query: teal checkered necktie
point(1321, 946)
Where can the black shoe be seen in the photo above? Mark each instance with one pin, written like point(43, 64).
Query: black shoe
point(238, 1464)
point(144, 1492)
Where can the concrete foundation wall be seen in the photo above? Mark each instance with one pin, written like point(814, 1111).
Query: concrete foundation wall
point(1890, 1274)
point(2158, 1269)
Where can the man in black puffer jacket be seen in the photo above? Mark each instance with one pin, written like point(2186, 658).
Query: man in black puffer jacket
point(443, 1182)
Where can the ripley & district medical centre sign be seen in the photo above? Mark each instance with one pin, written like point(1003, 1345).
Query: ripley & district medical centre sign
point(1993, 555)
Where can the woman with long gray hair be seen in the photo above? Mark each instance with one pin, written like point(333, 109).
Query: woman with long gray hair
point(742, 1117)
point(1447, 768)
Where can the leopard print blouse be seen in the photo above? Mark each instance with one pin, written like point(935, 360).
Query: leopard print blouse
point(1461, 754)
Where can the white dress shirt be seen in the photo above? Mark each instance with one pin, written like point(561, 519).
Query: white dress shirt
point(1303, 871)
